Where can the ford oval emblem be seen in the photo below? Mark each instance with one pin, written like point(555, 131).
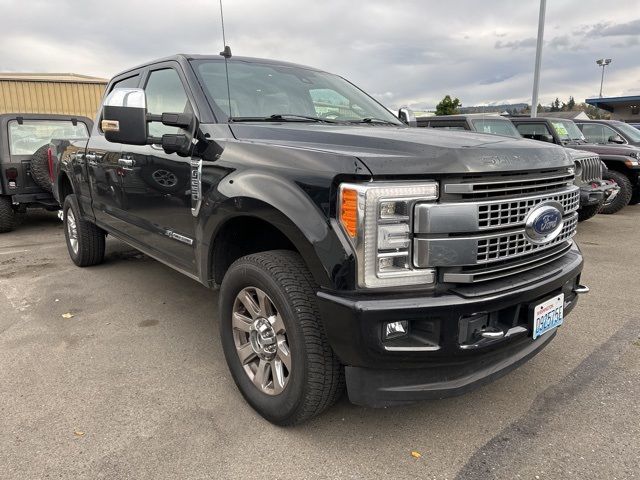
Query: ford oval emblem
point(544, 222)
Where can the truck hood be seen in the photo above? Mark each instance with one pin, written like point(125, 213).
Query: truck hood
point(389, 150)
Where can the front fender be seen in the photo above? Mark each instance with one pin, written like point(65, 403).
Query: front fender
point(286, 206)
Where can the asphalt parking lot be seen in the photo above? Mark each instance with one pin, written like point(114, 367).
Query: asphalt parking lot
point(134, 384)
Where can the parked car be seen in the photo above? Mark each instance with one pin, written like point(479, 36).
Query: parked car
point(593, 190)
point(408, 263)
point(609, 132)
point(25, 180)
point(622, 161)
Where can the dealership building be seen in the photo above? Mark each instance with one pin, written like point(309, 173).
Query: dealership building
point(56, 93)
point(626, 109)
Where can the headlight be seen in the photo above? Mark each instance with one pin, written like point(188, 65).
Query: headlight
point(635, 155)
point(377, 218)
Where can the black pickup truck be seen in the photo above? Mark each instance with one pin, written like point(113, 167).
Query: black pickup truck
point(409, 263)
point(25, 180)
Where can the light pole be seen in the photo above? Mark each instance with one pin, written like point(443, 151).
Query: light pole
point(536, 70)
point(603, 62)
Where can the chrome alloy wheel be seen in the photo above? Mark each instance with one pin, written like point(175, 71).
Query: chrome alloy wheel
point(72, 231)
point(261, 340)
point(165, 178)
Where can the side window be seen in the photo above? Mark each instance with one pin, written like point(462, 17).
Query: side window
point(165, 93)
point(129, 82)
point(608, 133)
point(528, 129)
point(593, 132)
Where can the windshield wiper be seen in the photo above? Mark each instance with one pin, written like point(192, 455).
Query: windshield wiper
point(282, 117)
point(374, 120)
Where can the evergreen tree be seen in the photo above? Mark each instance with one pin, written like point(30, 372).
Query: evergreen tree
point(447, 106)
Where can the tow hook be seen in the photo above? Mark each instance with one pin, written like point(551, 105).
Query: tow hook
point(579, 289)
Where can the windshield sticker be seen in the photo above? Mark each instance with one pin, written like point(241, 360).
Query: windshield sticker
point(560, 129)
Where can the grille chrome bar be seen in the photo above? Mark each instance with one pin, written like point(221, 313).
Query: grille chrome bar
point(502, 187)
point(482, 215)
point(506, 269)
point(484, 248)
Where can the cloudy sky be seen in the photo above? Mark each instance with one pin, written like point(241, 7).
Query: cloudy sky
point(402, 52)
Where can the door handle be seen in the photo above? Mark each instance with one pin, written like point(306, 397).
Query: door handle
point(125, 162)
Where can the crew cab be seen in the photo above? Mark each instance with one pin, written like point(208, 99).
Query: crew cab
point(593, 190)
point(622, 161)
point(25, 180)
point(348, 247)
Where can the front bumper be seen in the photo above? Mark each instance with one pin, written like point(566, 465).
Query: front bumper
point(592, 195)
point(377, 376)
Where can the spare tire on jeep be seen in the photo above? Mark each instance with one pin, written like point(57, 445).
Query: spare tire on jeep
point(40, 168)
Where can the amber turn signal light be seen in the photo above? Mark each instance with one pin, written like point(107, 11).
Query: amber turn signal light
point(349, 211)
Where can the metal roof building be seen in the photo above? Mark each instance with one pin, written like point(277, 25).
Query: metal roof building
point(626, 109)
point(61, 93)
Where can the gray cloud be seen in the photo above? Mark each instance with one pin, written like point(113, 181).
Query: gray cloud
point(516, 44)
point(404, 52)
point(613, 30)
point(500, 77)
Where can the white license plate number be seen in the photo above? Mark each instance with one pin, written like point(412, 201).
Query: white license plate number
point(548, 315)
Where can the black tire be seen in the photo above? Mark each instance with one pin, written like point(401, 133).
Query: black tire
point(635, 196)
point(624, 196)
point(90, 246)
point(588, 211)
point(40, 168)
point(316, 378)
point(8, 217)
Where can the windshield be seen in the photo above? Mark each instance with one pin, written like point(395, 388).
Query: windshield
point(286, 93)
point(30, 135)
point(567, 130)
point(630, 132)
point(495, 126)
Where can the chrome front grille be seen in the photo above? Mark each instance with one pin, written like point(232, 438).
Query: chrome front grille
point(511, 245)
point(477, 232)
point(513, 212)
point(591, 169)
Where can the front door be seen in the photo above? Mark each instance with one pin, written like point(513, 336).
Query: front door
point(156, 186)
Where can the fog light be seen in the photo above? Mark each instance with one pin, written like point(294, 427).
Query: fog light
point(395, 329)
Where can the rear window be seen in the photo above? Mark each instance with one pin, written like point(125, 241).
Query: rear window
point(27, 137)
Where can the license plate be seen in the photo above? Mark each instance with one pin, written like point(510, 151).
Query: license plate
point(548, 315)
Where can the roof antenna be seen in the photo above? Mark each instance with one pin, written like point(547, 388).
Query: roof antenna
point(226, 53)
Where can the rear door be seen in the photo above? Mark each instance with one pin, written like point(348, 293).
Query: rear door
point(156, 186)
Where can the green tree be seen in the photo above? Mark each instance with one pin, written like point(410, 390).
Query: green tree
point(555, 105)
point(571, 104)
point(447, 106)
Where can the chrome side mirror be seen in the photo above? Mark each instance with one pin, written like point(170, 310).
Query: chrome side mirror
point(124, 116)
point(406, 115)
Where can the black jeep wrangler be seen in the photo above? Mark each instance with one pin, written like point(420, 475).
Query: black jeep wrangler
point(410, 263)
point(25, 177)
